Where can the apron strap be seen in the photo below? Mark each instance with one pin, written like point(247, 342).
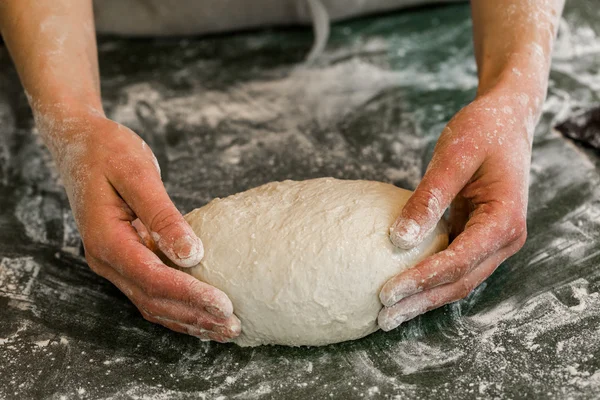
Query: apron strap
point(320, 23)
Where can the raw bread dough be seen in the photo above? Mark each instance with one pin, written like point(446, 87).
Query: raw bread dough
point(303, 262)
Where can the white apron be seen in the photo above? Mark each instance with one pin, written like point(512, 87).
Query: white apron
point(187, 17)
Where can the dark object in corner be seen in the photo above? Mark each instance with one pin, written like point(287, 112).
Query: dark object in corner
point(583, 127)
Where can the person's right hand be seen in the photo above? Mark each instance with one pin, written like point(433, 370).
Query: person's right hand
point(112, 178)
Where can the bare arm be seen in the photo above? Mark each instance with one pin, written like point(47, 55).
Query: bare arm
point(53, 45)
point(513, 41)
point(480, 165)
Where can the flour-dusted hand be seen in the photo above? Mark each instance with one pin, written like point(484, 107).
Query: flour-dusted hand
point(480, 165)
point(112, 178)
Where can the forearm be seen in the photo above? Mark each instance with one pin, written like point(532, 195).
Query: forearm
point(53, 46)
point(513, 44)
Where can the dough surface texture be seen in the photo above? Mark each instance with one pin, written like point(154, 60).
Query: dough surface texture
point(303, 261)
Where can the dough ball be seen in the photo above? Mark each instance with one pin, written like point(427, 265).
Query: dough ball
point(303, 262)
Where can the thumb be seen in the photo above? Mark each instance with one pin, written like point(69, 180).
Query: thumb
point(173, 235)
point(448, 172)
point(147, 197)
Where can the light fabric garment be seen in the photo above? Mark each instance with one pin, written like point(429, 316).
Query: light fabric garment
point(182, 17)
point(185, 17)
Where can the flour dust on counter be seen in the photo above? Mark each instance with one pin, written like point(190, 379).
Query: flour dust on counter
point(228, 113)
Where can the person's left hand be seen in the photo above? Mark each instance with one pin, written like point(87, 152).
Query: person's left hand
point(480, 167)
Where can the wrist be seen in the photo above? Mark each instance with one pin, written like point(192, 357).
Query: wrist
point(518, 86)
point(514, 101)
point(65, 105)
point(65, 121)
point(525, 71)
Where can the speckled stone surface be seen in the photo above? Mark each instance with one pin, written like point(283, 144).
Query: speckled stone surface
point(224, 114)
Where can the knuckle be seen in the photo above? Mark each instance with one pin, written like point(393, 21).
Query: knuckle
point(426, 196)
point(201, 335)
point(147, 316)
point(145, 308)
point(182, 329)
point(455, 263)
point(427, 202)
point(195, 291)
point(520, 241)
point(194, 286)
point(148, 309)
point(516, 230)
point(520, 224)
point(203, 323)
point(165, 219)
point(93, 257)
point(464, 289)
point(152, 290)
point(131, 169)
point(417, 274)
point(461, 268)
point(92, 247)
point(93, 264)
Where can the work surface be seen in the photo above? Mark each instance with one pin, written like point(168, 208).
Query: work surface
point(225, 114)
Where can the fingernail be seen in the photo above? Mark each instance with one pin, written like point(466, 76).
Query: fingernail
point(218, 338)
point(405, 233)
point(391, 317)
point(206, 335)
point(215, 311)
point(388, 322)
point(235, 327)
point(399, 291)
point(184, 247)
point(189, 250)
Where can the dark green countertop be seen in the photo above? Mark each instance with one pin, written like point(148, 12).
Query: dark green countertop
point(228, 113)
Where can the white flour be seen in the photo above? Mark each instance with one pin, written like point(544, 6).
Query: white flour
point(542, 322)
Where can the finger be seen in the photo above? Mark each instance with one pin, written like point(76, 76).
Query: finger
point(417, 304)
point(172, 311)
point(490, 229)
point(168, 310)
point(142, 189)
point(455, 161)
point(122, 249)
point(187, 329)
